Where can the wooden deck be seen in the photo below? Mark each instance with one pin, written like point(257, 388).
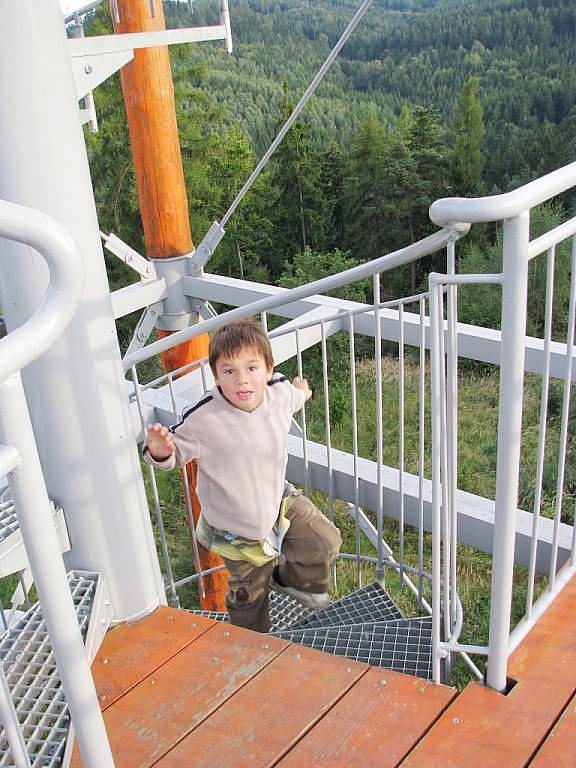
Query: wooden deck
point(181, 690)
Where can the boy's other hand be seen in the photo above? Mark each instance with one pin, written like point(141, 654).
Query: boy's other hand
point(160, 442)
point(304, 386)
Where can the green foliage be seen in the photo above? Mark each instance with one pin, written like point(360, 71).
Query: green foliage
point(468, 158)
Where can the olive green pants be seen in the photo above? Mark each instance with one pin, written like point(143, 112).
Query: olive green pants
point(310, 545)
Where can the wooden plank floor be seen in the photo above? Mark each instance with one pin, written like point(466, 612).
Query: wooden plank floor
point(181, 690)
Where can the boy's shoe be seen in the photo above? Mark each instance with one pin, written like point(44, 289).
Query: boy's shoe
point(312, 600)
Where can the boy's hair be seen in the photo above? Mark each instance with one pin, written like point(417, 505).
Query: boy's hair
point(237, 335)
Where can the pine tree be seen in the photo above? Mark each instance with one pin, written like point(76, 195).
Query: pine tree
point(468, 157)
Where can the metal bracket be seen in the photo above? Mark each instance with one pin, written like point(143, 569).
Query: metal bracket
point(129, 256)
point(144, 328)
point(207, 247)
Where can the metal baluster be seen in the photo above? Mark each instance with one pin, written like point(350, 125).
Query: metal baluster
point(264, 322)
point(355, 447)
point(304, 432)
point(203, 375)
point(564, 428)
point(542, 430)
point(444, 468)
point(436, 396)
point(401, 440)
point(188, 501)
point(174, 599)
point(328, 434)
point(421, 446)
point(379, 436)
point(452, 428)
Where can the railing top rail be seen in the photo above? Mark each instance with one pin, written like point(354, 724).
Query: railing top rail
point(34, 228)
point(452, 210)
point(397, 258)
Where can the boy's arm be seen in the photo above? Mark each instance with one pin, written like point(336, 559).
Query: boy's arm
point(166, 447)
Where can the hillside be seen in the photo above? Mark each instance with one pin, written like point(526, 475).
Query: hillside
point(415, 53)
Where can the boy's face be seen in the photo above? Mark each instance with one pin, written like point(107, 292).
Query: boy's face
point(243, 379)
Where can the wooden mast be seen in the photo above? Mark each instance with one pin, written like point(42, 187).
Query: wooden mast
point(149, 98)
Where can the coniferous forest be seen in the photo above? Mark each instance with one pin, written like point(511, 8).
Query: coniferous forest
point(428, 99)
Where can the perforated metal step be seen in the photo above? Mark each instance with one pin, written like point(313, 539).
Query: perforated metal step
point(404, 645)
point(370, 604)
point(284, 612)
point(29, 665)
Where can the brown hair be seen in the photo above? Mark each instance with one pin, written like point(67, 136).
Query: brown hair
point(237, 335)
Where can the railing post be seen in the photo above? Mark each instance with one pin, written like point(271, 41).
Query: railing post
point(514, 301)
point(43, 551)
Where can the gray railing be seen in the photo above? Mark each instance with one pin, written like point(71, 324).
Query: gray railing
point(19, 461)
point(441, 330)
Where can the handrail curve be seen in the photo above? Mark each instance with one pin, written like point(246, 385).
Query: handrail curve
point(450, 211)
point(39, 231)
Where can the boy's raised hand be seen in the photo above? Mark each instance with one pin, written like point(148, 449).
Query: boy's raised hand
point(160, 442)
point(303, 385)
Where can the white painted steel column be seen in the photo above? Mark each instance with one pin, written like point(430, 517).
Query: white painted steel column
point(76, 391)
point(43, 551)
point(514, 298)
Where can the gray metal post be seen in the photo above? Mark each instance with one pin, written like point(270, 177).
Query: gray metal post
point(76, 391)
point(514, 298)
point(31, 501)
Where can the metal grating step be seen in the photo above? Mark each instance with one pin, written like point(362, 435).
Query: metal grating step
point(284, 612)
point(13, 556)
point(29, 665)
point(404, 645)
point(370, 604)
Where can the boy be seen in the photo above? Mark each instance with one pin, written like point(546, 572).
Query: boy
point(238, 433)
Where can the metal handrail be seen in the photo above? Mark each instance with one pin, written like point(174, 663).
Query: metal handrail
point(17, 350)
point(37, 230)
point(450, 211)
point(406, 255)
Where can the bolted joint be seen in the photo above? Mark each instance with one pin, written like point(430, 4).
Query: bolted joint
point(207, 247)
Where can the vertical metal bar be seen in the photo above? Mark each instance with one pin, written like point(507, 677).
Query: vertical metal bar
point(304, 430)
point(355, 446)
point(436, 362)
point(401, 442)
point(542, 430)
point(43, 551)
point(565, 418)
point(24, 590)
point(452, 429)
point(379, 435)
point(421, 447)
point(264, 321)
point(188, 503)
point(514, 296)
point(203, 375)
point(444, 478)
point(191, 523)
point(327, 427)
point(3, 615)
point(174, 599)
point(9, 719)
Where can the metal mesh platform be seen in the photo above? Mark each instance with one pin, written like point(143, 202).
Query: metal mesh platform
point(8, 519)
point(284, 612)
point(404, 645)
point(29, 664)
point(370, 604)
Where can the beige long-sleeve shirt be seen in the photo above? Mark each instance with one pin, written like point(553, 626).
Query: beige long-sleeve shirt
point(241, 456)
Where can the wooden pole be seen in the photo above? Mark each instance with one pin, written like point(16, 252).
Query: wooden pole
point(149, 98)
